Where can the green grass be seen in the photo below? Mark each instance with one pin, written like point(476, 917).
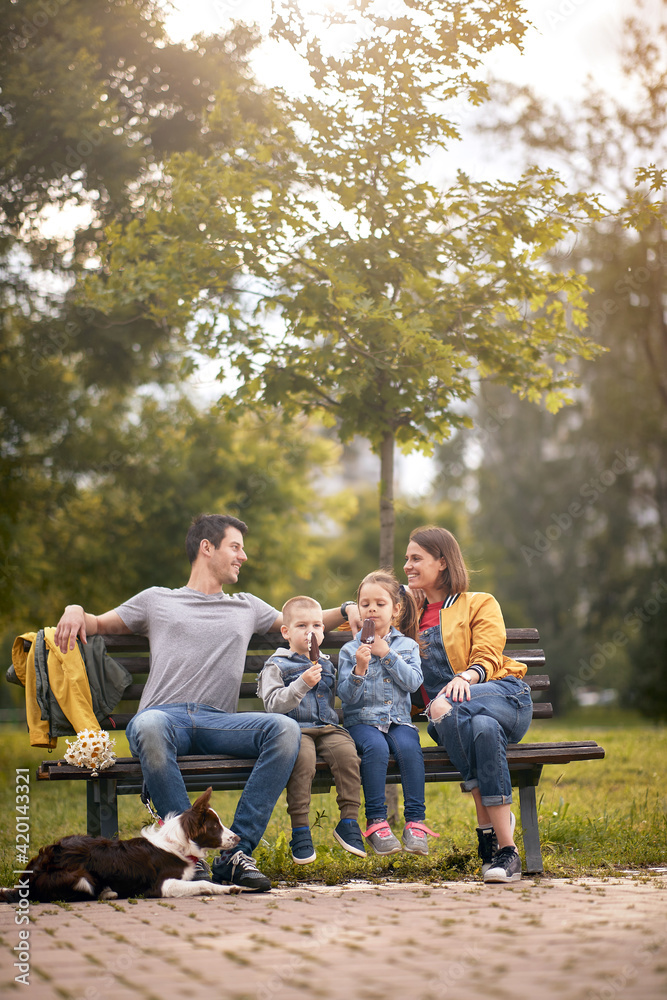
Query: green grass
point(595, 816)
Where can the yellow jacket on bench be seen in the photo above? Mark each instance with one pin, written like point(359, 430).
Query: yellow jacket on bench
point(68, 681)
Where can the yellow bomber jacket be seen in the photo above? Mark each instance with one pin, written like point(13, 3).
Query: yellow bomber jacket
point(68, 681)
point(473, 631)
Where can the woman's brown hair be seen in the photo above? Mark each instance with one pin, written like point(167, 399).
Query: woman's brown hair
point(441, 543)
point(408, 614)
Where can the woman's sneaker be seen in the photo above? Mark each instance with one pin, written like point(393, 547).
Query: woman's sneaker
point(381, 838)
point(348, 835)
point(488, 843)
point(301, 843)
point(505, 867)
point(414, 837)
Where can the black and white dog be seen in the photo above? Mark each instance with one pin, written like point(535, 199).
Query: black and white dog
point(161, 862)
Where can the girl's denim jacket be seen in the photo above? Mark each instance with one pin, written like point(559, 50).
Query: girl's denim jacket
point(282, 689)
point(382, 696)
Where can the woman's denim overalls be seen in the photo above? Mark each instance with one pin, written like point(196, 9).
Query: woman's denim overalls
point(475, 733)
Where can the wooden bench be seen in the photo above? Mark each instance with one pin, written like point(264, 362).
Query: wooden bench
point(124, 777)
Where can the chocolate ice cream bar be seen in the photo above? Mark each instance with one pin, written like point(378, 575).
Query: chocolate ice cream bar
point(313, 648)
point(368, 632)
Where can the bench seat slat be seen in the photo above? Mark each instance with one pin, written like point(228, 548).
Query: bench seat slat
point(434, 757)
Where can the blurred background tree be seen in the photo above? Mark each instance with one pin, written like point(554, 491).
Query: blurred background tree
point(103, 455)
point(378, 301)
point(177, 159)
point(571, 508)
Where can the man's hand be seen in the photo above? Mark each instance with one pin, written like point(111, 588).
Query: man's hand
point(71, 625)
point(354, 618)
point(312, 675)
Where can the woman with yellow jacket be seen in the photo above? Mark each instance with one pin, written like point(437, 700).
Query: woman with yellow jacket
point(476, 699)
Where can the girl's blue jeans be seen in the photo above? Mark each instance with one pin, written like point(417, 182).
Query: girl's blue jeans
point(374, 748)
point(475, 735)
point(160, 734)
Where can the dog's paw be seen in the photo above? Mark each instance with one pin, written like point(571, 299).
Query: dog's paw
point(108, 893)
point(214, 889)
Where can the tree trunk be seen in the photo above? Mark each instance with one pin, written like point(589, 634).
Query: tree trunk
point(387, 519)
point(387, 516)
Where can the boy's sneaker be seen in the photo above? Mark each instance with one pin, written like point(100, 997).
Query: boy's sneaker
point(505, 867)
point(414, 837)
point(488, 843)
point(202, 872)
point(381, 838)
point(301, 843)
point(348, 835)
point(240, 870)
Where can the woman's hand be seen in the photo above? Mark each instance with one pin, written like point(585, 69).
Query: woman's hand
point(458, 689)
point(419, 595)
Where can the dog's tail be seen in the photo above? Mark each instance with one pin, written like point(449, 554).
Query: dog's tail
point(9, 895)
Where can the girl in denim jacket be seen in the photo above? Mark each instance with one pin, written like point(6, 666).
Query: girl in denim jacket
point(374, 685)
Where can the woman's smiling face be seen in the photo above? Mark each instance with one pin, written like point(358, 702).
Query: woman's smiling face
point(423, 570)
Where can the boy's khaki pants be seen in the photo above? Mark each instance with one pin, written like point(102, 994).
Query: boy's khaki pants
point(337, 747)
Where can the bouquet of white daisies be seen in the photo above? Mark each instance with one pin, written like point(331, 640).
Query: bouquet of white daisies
point(93, 748)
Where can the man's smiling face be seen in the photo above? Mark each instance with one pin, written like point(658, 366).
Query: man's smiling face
point(227, 559)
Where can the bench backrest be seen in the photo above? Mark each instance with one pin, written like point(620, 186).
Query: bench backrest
point(133, 652)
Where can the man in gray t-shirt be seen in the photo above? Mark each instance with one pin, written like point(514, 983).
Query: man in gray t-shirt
point(199, 638)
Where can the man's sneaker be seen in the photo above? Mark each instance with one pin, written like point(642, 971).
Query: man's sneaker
point(488, 843)
point(202, 872)
point(381, 838)
point(301, 843)
point(414, 837)
point(348, 835)
point(505, 867)
point(240, 870)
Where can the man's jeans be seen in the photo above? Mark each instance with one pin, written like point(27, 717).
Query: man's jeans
point(475, 734)
point(374, 748)
point(162, 733)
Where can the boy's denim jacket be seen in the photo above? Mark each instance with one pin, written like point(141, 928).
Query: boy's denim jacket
point(282, 689)
point(382, 696)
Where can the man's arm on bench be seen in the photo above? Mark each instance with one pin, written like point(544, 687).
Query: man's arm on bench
point(332, 618)
point(77, 623)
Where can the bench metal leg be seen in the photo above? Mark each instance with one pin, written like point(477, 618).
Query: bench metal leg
point(102, 802)
point(527, 782)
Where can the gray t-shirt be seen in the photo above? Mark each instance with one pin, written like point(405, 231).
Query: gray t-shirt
point(198, 643)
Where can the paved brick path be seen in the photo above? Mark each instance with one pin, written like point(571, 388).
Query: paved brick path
point(588, 939)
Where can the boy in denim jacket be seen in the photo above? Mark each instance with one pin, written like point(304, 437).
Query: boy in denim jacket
point(292, 684)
